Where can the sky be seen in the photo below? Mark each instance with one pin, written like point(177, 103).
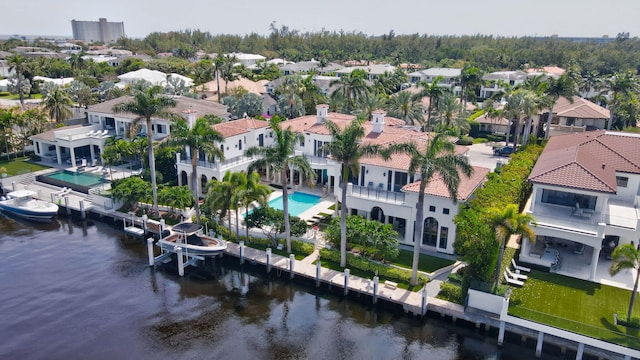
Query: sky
point(588, 18)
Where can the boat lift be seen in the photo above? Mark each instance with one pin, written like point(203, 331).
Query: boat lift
point(165, 254)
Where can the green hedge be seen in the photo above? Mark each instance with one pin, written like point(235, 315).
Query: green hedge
point(384, 272)
point(451, 292)
point(475, 239)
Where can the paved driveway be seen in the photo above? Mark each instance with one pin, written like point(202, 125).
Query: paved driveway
point(482, 155)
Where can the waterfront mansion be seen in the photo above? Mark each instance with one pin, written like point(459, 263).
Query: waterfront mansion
point(383, 190)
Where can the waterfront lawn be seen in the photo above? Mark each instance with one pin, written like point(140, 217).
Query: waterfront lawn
point(575, 305)
point(427, 263)
point(21, 166)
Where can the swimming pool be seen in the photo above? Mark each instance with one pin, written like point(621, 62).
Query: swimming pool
point(298, 202)
point(78, 181)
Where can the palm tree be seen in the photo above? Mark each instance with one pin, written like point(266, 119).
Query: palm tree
point(77, 62)
point(353, 86)
point(522, 103)
point(228, 71)
point(470, 78)
point(371, 103)
point(557, 88)
point(346, 147)
point(146, 105)
point(404, 106)
point(279, 157)
point(20, 65)
point(621, 83)
point(200, 138)
point(452, 115)
point(436, 157)
point(221, 195)
point(434, 92)
point(507, 222)
point(252, 191)
point(218, 63)
point(626, 257)
point(57, 104)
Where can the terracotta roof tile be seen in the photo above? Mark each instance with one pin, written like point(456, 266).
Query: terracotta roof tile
point(437, 187)
point(587, 161)
point(240, 126)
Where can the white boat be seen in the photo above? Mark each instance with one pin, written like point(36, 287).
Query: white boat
point(189, 237)
point(24, 203)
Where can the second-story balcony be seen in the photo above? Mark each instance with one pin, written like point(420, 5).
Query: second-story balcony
point(375, 194)
point(222, 165)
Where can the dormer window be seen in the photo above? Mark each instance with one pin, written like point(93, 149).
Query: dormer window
point(622, 181)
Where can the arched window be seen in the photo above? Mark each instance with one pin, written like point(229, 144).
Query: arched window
point(430, 232)
point(203, 184)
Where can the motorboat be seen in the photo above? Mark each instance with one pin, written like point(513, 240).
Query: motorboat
point(24, 203)
point(190, 238)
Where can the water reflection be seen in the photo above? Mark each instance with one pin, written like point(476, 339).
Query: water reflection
point(82, 287)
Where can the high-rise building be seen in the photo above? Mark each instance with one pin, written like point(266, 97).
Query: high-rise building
point(97, 31)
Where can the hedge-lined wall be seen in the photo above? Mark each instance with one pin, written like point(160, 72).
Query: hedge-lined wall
point(475, 239)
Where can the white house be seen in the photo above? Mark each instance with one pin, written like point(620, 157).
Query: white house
point(247, 60)
point(450, 77)
point(384, 190)
point(586, 194)
point(373, 71)
point(74, 142)
point(239, 135)
point(153, 76)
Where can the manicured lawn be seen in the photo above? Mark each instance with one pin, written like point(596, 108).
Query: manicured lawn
point(427, 263)
point(20, 166)
point(575, 305)
point(275, 251)
point(7, 95)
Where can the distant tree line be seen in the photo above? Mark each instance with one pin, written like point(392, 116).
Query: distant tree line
point(484, 51)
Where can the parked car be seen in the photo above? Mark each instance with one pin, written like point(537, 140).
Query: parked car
point(504, 151)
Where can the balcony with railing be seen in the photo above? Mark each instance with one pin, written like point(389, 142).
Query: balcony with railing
point(221, 165)
point(375, 194)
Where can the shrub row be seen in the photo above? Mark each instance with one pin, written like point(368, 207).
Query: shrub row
point(384, 272)
point(475, 240)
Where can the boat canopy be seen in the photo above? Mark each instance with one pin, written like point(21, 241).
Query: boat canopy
point(19, 194)
point(187, 228)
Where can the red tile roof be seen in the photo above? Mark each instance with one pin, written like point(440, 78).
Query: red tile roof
point(240, 126)
point(437, 187)
point(587, 161)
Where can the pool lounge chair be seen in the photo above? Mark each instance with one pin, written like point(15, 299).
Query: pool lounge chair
point(516, 276)
point(512, 281)
point(518, 267)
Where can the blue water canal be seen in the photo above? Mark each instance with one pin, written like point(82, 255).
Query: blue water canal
point(83, 290)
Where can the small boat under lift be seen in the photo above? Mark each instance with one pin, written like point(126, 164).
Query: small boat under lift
point(190, 238)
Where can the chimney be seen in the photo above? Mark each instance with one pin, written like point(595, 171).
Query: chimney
point(377, 120)
point(322, 111)
point(191, 117)
point(603, 165)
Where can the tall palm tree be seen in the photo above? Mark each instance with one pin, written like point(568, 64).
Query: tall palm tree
point(228, 71)
point(507, 222)
point(404, 106)
point(522, 104)
point(353, 86)
point(280, 159)
point(253, 191)
point(470, 78)
point(346, 147)
point(620, 84)
point(57, 103)
point(218, 63)
point(436, 157)
point(371, 103)
point(77, 62)
point(221, 195)
point(452, 115)
point(19, 64)
point(199, 138)
point(557, 88)
point(146, 105)
point(434, 92)
point(626, 257)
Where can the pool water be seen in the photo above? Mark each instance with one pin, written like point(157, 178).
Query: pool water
point(82, 179)
point(298, 202)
